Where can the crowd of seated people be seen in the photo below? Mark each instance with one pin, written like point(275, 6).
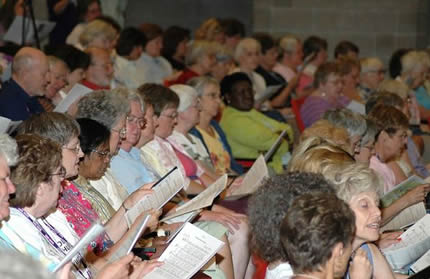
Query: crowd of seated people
point(151, 99)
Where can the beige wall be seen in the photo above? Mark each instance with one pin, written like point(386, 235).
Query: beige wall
point(378, 27)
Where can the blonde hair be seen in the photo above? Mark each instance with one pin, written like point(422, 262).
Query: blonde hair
point(394, 87)
point(324, 129)
point(95, 29)
point(414, 60)
point(246, 44)
point(208, 30)
point(318, 155)
point(369, 64)
point(289, 43)
point(197, 49)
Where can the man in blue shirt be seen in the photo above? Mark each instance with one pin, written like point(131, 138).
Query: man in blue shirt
point(29, 80)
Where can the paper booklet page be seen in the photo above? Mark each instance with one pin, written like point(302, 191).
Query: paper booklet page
point(131, 239)
point(82, 244)
point(167, 187)
point(8, 126)
point(252, 180)
point(274, 146)
point(401, 189)
point(14, 33)
point(414, 243)
point(202, 200)
point(187, 253)
point(421, 263)
point(406, 217)
point(77, 92)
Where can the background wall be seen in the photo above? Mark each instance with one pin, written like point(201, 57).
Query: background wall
point(378, 27)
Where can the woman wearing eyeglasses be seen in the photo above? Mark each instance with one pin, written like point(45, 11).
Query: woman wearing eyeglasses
point(326, 96)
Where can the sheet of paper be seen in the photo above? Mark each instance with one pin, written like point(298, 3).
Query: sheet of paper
point(356, 107)
point(187, 253)
point(421, 263)
point(14, 33)
point(89, 236)
point(414, 243)
point(164, 190)
point(189, 217)
point(130, 241)
point(202, 200)
point(406, 217)
point(77, 92)
point(252, 180)
point(401, 189)
point(274, 146)
point(267, 94)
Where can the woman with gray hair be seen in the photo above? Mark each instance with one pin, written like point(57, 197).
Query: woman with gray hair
point(200, 59)
point(188, 118)
point(108, 108)
point(208, 129)
point(371, 75)
point(366, 149)
point(353, 122)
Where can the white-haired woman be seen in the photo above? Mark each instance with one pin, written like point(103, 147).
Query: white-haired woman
point(291, 57)
point(98, 33)
point(247, 55)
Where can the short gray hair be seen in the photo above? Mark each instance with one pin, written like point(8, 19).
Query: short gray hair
point(56, 126)
point(197, 50)
point(8, 149)
point(413, 60)
point(354, 179)
point(246, 44)
point(369, 64)
point(371, 132)
point(353, 122)
point(130, 95)
point(104, 106)
point(15, 265)
point(200, 83)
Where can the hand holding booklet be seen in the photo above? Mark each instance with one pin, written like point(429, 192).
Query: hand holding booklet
point(186, 254)
point(413, 243)
point(253, 179)
point(164, 189)
point(202, 200)
point(401, 189)
point(89, 236)
point(131, 238)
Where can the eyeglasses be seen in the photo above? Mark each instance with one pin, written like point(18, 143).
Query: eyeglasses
point(105, 154)
point(172, 116)
point(140, 121)
point(213, 95)
point(122, 132)
point(75, 150)
point(380, 72)
point(61, 173)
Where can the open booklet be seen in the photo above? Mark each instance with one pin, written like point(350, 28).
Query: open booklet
point(202, 200)
point(14, 33)
point(401, 189)
point(406, 217)
point(356, 107)
point(77, 92)
point(8, 126)
point(274, 146)
point(132, 237)
point(414, 243)
point(187, 254)
point(267, 94)
point(252, 180)
point(89, 236)
point(164, 190)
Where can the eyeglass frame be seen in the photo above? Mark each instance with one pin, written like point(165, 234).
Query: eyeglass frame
point(122, 132)
point(105, 154)
point(140, 121)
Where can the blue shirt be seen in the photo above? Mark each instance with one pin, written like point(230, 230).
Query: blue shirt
point(16, 104)
point(128, 169)
point(423, 98)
